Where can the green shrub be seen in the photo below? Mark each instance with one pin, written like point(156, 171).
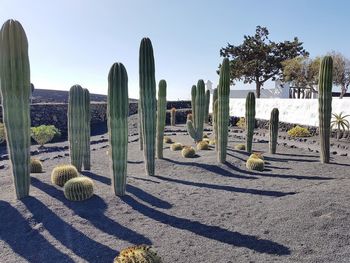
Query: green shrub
point(2, 133)
point(298, 131)
point(44, 133)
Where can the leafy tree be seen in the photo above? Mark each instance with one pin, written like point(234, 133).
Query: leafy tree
point(259, 59)
point(44, 133)
point(341, 72)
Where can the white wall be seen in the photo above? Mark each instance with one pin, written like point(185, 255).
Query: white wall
point(301, 111)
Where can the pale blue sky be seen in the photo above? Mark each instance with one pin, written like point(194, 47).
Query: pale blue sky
point(77, 41)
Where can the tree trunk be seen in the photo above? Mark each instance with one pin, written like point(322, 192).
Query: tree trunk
point(258, 86)
point(343, 91)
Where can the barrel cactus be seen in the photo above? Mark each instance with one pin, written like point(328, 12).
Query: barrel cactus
point(273, 128)
point(207, 103)
point(173, 116)
point(36, 166)
point(79, 188)
point(240, 147)
point(167, 139)
point(161, 113)
point(148, 103)
point(117, 112)
point(255, 164)
point(76, 120)
point(203, 145)
point(141, 254)
point(62, 173)
point(87, 130)
point(223, 111)
point(16, 91)
point(188, 152)
point(195, 127)
point(249, 120)
point(325, 106)
point(176, 146)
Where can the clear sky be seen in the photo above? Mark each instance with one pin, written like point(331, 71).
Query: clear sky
point(77, 41)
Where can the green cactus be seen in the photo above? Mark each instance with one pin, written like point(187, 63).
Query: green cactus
point(195, 127)
point(79, 188)
point(16, 91)
point(62, 173)
point(161, 113)
point(193, 100)
point(36, 166)
point(207, 103)
point(138, 254)
point(173, 116)
point(76, 120)
point(215, 122)
point(188, 152)
point(148, 103)
point(223, 111)
point(249, 120)
point(273, 127)
point(255, 164)
point(87, 130)
point(215, 97)
point(140, 124)
point(325, 106)
point(118, 111)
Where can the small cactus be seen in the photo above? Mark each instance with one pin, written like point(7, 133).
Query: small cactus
point(138, 254)
point(167, 139)
point(273, 128)
point(173, 116)
point(188, 152)
point(87, 130)
point(195, 127)
point(255, 164)
point(207, 103)
point(79, 188)
point(202, 145)
point(161, 114)
point(240, 147)
point(36, 166)
point(250, 120)
point(62, 173)
point(176, 146)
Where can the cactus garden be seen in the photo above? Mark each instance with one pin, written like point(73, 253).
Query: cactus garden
point(130, 174)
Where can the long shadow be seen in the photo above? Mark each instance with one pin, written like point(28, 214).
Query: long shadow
point(144, 179)
point(92, 210)
point(341, 164)
point(278, 168)
point(298, 155)
point(228, 188)
point(135, 162)
point(212, 168)
point(96, 177)
point(70, 237)
point(25, 240)
point(211, 232)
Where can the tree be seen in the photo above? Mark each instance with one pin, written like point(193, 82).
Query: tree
point(341, 72)
point(259, 59)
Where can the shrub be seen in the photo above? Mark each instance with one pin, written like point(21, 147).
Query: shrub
point(36, 166)
point(2, 133)
point(79, 188)
point(167, 140)
point(298, 131)
point(188, 152)
point(44, 133)
point(255, 164)
point(203, 145)
point(141, 253)
point(62, 173)
point(176, 146)
point(241, 123)
point(240, 147)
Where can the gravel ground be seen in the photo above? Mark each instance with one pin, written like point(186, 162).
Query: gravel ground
point(193, 210)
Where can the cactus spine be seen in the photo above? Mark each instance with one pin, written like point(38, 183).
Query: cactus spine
point(76, 120)
point(118, 111)
point(87, 131)
point(195, 128)
point(161, 114)
point(273, 127)
point(249, 120)
point(223, 111)
point(207, 103)
point(148, 102)
point(325, 105)
point(15, 90)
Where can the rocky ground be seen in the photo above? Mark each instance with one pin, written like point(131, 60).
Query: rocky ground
point(193, 210)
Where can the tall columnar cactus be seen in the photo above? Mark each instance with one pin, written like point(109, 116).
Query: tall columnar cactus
point(325, 105)
point(76, 120)
point(173, 116)
point(215, 123)
point(195, 127)
point(15, 90)
point(249, 120)
point(223, 112)
point(207, 103)
point(215, 97)
point(87, 131)
point(193, 100)
point(148, 102)
point(118, 111)
point(273, 127)
point(140, 125)
point(161, 114)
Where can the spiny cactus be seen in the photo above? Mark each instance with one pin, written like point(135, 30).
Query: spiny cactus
point(189, 117)
point(79, 188)
point(173, 116)
point(240, 147)
point(87, 130)
point(15, 90)
point(325, 106)
point(148, 103)
point(118, 112)
point(36, 166)
point(138, 254)
point(203, 145)
point(193, 100)
point(161, 113)
point(62, 173)
point(257, 155)
point(195, 127)
point(212, 142)
point(255, 164)
point(215, 97)
point(176, 146)
point(215, 122)
point(223, 112)
point(273, 127)
point(167, 139)
point(188, 152)
point(76, 120)
point(207, 103)
point(140, 124)
point(250, 120)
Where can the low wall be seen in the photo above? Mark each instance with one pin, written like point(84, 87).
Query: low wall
point(297, 111)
